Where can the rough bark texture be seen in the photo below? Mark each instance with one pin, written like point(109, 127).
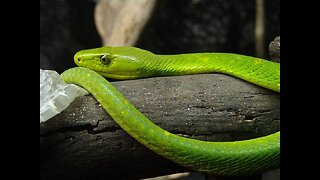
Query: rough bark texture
point(274, 49)
point(83, 142)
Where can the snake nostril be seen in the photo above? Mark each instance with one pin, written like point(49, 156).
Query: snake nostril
point(78, 60)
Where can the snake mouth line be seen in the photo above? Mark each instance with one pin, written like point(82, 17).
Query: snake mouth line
point(118, 76)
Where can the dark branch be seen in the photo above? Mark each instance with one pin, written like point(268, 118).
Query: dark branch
point(83, 142)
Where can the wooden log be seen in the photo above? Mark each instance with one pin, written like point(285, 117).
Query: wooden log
point(83, 142)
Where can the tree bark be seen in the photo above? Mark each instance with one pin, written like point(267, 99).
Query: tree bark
point(83, 142)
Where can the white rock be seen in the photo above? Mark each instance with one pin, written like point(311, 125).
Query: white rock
point(55, 94)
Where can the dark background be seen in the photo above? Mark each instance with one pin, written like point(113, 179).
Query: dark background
point(67, 26)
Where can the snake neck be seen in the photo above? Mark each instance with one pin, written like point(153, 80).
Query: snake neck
point(255, 70)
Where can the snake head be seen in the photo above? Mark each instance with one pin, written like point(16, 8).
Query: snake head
point(113, 62)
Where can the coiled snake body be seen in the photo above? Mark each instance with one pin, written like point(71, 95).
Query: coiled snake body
point(220, 158)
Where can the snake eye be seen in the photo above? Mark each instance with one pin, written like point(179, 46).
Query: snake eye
point(104, 59)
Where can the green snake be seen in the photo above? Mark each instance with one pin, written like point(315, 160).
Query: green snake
point(220, 158)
